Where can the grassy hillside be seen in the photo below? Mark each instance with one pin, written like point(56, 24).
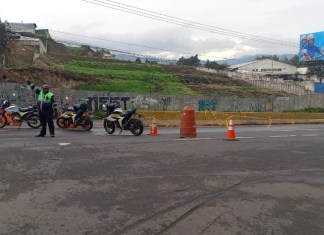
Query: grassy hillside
point(82, 68)
point(127, 77)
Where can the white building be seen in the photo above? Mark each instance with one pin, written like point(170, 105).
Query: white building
point(265, 67)
point(34, 42)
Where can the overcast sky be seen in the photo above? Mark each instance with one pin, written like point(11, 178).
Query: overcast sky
point(276, 19)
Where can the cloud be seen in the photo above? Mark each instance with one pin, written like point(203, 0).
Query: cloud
point(171, 41)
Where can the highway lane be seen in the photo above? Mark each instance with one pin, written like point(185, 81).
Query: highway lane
point(269, 182)
point(242, 132)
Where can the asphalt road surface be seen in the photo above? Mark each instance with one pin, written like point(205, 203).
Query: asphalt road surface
point(271, 181)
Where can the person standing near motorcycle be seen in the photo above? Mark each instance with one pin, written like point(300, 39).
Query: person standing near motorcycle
point(45, 103)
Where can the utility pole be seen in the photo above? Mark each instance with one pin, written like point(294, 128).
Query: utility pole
point(272, 65)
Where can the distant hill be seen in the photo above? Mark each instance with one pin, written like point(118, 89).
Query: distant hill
point(128, 57)
point(233, 61)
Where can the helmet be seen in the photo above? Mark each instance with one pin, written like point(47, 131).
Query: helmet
point(303, 37)
point(310, 37)
point(45, 86)
point(6, 104)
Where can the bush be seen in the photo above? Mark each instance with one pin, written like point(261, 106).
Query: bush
point(309, 110)
point(99, 114)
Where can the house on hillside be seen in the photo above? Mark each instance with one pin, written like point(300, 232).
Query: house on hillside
point(22, 27)
point(109, 56)
point(24, 37)
point(267, 67)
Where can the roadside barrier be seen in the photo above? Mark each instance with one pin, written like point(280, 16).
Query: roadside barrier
point(212, 118)
point(230, 131)
point(153, 128)
point(188, 123)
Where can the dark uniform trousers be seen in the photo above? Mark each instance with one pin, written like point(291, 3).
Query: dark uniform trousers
point(46, 117)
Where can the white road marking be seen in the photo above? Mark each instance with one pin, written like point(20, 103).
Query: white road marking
point(64, 144)
point(310, 135)
point(279, 136)
point(282, 130)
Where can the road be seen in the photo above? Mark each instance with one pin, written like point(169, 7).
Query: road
point(268, 182)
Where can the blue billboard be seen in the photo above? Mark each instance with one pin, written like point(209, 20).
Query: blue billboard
point(311, 47)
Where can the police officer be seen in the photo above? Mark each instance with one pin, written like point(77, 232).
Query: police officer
point(45, 103)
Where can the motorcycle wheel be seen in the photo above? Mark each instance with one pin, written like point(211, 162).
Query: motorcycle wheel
point(88, 124)
point(109, 126)
point(3, 120)
point(62, 122)
point(33, 121)
point(137, 127)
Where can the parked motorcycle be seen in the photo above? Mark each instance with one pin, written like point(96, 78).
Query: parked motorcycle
point(131, 120)
point(67, 120)
point(16, 115)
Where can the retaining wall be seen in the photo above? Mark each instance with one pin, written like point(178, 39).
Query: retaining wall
point(23, 96)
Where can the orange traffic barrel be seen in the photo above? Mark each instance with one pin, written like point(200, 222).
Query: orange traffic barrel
point(188, 123)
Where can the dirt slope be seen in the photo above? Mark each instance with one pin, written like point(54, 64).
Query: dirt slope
point(49, 69)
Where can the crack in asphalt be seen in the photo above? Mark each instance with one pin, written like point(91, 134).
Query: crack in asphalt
point(203, 199)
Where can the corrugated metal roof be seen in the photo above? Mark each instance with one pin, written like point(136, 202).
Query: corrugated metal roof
point(19, 27)
point(242, 64)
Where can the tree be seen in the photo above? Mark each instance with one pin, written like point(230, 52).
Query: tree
point(138, 60)
point(215, 65)
point(4, 41)
point(101, 52)
point(271, 57)
point(317, 70)
point(191, 61)
point(147, 61)
point(294, 61)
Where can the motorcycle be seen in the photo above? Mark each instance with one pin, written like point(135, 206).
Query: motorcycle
point(67, 120)
point(13, 114)
point(131, 120)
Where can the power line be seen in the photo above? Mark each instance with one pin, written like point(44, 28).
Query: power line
point(136, 45)
point(116, 51)
point(125, 43)
point(196, 23)
point(186, 23)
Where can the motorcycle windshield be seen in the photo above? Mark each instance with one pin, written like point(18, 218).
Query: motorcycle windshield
point(12, 109)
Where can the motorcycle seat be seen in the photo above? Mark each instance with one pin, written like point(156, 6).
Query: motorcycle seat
point(25, 109)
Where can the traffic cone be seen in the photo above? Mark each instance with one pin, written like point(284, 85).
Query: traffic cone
point(231, 132)
point(153, 129)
